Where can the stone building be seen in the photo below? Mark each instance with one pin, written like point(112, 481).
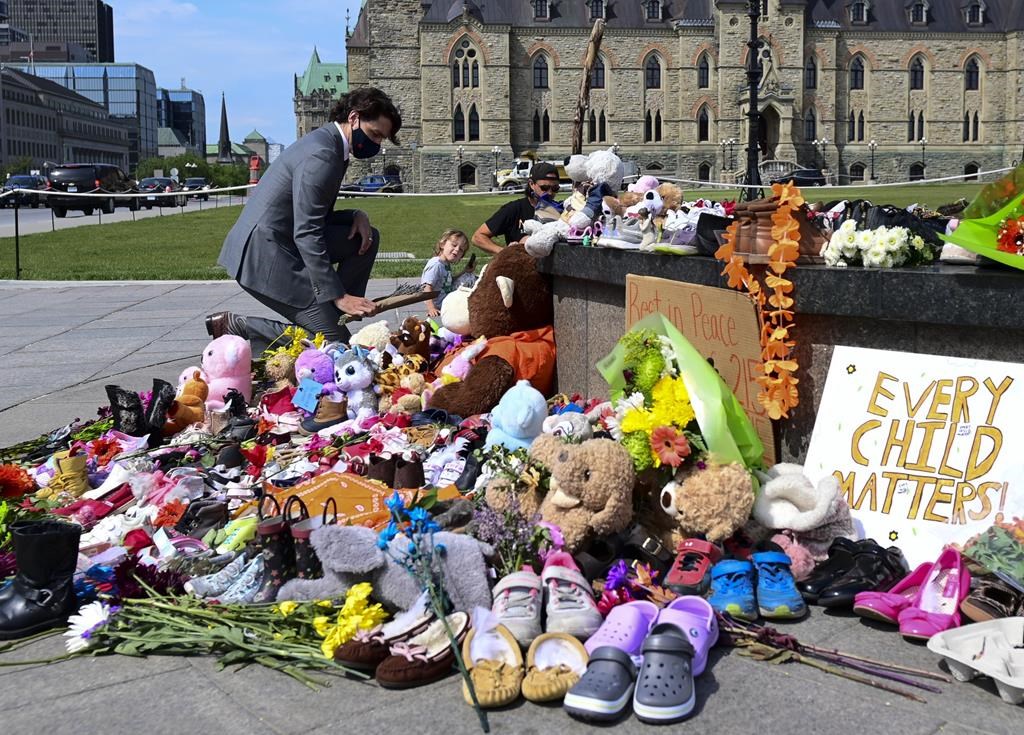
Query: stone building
point(316, 91)
point(670, 85)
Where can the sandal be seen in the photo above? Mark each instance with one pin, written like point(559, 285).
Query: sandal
point(992, 600)
point(695, 617)
point(625, 628)
point(424, 658)
point(691, 571)
point(604, 690)
point(664, 688)
point(494, 661)
point(554, 663)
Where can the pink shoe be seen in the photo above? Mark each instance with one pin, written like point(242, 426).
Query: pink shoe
point(695, 617)
point(937, 605)
point(886, 606)
point(625, 628)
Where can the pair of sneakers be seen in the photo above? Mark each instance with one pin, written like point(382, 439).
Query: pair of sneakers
point(763, 584)
point(560, 595)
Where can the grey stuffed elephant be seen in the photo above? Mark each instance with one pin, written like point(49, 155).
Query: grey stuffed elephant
point(350, 555)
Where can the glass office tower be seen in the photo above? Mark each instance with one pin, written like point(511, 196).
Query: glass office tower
point(183, 110)
point(89, 23)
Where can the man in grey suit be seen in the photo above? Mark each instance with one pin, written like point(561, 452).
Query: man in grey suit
point(286, 243)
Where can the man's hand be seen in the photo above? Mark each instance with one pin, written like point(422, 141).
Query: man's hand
point(361, 229)
point(355, 305)
point(432, 311)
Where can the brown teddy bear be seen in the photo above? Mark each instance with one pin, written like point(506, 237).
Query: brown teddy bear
point(510, 306)
point(713, 501)
point(189, 406)
point(671, 196)
point(413, 338)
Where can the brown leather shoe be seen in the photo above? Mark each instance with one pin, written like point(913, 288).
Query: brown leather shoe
point(225, 322)
point(424, 658)
point(328, 413)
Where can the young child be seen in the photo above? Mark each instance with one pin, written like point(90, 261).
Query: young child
point(437, 274)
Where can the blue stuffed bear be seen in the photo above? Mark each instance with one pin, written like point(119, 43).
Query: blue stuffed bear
point(518, 418)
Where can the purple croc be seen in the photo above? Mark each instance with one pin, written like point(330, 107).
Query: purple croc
point(625, 628)
point(695, 617)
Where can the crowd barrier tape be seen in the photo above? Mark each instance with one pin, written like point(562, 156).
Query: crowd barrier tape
point(966, 178)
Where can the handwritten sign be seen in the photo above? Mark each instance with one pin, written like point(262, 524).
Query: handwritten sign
point(721, 324)
point(926, 448)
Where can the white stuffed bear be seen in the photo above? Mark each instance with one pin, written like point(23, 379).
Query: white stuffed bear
point(652, 202)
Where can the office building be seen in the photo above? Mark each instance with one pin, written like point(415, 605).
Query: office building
point(89, 23)
point(184, 111)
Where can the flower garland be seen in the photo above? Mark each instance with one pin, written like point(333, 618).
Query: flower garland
point(774, 303)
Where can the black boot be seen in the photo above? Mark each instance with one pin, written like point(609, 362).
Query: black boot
point(126, 406)
point(42, 595)
point(278, 557)
point(156, 412)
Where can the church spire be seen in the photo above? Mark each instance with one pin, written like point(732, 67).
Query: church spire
point(224, 144)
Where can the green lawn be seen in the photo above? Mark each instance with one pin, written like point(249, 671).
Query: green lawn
point(185, 246)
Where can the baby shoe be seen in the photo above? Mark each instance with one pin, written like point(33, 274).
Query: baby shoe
point(237, 534)
point(213, 584)
point(493, 660)
point(691, 571)
point(732, 589)
point(554, 663)
point(517, 603)
point(777, 595)
point(604, 690)
point(625, 628)
point(569, 606)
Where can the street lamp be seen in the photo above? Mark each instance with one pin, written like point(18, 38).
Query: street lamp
point(924, 166)
point(819, 146)
point(384, 157)
point(732, 158)
point(496, 150)
point(725, 161)
point(871, 147)
point(458, 171)
point(753, 177)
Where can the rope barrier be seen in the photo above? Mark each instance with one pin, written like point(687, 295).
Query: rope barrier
point(958, 177)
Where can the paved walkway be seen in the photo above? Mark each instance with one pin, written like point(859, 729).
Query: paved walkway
point(63, 342)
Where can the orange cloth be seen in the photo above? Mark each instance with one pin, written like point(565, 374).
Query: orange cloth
point(531, 354)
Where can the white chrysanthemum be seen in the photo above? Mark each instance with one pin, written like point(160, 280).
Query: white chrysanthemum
point(865, 240)
point(668, 353)
point(918, 242)
point(82, 626)
point(622, 407)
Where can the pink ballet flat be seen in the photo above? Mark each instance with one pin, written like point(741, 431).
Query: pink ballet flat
point(937, 605)
point(886, 606)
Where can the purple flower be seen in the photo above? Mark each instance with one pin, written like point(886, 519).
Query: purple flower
point(618, 575)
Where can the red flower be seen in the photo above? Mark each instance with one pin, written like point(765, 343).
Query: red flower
point(170, 513)
point(104, 450)
point(1011, 236)
point(670, 446)
point(15, 481)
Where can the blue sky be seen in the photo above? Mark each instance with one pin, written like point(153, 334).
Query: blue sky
point(249, 49)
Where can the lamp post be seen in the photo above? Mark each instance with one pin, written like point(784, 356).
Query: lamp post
point(924, 166)
point(725, 161)
point(753, 177)
point(384, 160)
point(458, 170)
point(496, 150)
point(732, 157)
point(819, 147)
point(871, 147)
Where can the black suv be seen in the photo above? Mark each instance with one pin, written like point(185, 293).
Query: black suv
point(195, 188)
point(24, 199)
point(802, 177)
point(90, 178)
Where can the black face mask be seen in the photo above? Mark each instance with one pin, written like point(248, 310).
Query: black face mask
point(362, 145)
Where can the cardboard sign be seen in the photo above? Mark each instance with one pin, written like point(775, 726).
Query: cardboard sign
point(722, 324)
point(927, 448)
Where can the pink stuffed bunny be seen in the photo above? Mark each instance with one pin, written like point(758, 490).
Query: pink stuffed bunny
point(227, 364)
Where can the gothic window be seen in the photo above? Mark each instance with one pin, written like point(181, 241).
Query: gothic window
point(458, 124)
point(476, 74)
point(657, 126)
point(648, 127)
point(917, 73)
point(972, 75)
point(975, 14)
point(465, 75)
point(920, 126)
point(703, 125)
point(456, 75)
point(466, 67)
point(971, 172)
point(540, 73)
point(592, 128)
point(467, 175)
point(596, 9)
point(653, 8)
point(811, 74)
point(858, 12)
point(857, 73)
point(975, 131)
point(652, 73)
point(917, 172)
point(910, 127)
point(703, 72)
point(536, 126)
point(810, 126)
point(860, 126)
point(918, 13)
point(967, 127)
point(474, 124)
point(856, 172)
point(654, 166)
point(540, 8)
point(597, 74)
point(704, 172)
point(851, 130)
point(546, 128)
point(602, 132)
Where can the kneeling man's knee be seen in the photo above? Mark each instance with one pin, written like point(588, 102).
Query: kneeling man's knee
point(374, 240)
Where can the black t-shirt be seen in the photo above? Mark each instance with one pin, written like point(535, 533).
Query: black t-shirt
point(508, 220)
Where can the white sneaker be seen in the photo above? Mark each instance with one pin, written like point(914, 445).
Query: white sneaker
point(517, 602)
point(569, 605)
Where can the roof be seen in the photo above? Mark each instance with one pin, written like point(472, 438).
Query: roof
point(360, 37)
point(46, 86)
point(255, 136)
point(944, 16)
point(169, 137)
point(319, 76)
point(571, 14)
point(237, 149)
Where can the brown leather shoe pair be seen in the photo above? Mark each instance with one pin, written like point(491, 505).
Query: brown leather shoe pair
point(396, 472)
point(226, 322)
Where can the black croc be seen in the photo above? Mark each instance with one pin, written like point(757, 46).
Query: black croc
point(604, 690)
point(664, 688)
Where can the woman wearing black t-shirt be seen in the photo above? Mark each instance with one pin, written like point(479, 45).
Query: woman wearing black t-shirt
point(508, 221)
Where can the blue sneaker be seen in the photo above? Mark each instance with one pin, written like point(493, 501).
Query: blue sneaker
point(732, 589)
point(777, 595)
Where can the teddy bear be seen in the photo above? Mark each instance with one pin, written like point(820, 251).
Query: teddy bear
point(518, 418)
point(413, 338)
point(350, 555)
point(407, 398)
point(643, 184)
point(189, 406)
point(227, 364)
point(710, 499)
point(280, 369)
point(376, 336)
point(511, 306)
point(569, 426)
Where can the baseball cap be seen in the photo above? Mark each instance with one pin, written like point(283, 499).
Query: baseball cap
point(543, 170)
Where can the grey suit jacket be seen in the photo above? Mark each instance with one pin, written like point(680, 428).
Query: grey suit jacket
point(278, 245)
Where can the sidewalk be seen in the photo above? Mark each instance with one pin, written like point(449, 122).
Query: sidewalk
point(64, 342)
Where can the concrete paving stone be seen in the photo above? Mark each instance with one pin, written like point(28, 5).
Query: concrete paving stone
point(31, 419)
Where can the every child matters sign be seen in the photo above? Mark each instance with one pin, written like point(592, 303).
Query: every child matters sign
point(927, 449)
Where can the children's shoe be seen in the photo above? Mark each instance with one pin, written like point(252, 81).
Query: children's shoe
point(606, 687)
point(517, 603)
point(237, 534)
point(625, 628)
point(214, 584)
point(777, 595)
point(732, 589)
point(665, 691)
point(570, 606)
point(554, 664)
point(691, 571)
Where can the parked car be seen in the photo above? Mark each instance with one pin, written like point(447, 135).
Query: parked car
point(196, 187)
point(389, 183)
point(24, 181)
point(802, 177)
point(92, 178)
point(160, 185)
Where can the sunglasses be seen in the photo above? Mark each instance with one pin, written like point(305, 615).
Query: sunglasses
point(550, 189)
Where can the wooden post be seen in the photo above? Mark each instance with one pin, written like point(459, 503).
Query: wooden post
point(593, 46)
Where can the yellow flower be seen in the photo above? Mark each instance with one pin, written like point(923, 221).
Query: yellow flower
point(322, 625)
point(286, 608)
point(637, 419)
point(323, 603)
point(671, 403)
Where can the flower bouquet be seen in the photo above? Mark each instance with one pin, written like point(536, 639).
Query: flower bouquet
point(882, 247)
point(993, 224)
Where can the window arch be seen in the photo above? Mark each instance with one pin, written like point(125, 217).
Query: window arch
point(654, 166)
point(857, 172)
point(474, 124)
point(657, 125)
point(860, 126)
point(810, 126)
point(851, 128)
point(920, 126)
point(703, 72)
point(704, 172)
point(458, 124)
point(540, 72)
point(917, 73)
point(811, 73)
point(653, 9)
point(911, 127)
point(467, 174)
point(857, 73)
point(456, 74)
point(465, 65)
point(967, 127)
point(648, 127)
point(597, 74)
point(536, 126)
point(592, 127)
point(917, 171)
point(975, 134)
point(545, 133)
point(972, 75)
point(602, 129)
point(652, 72)
point(971, 171)
point(703, 125)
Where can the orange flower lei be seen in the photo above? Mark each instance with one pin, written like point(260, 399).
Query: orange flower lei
point(774, 302)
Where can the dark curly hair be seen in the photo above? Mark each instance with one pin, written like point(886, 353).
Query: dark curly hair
point(371, 104)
